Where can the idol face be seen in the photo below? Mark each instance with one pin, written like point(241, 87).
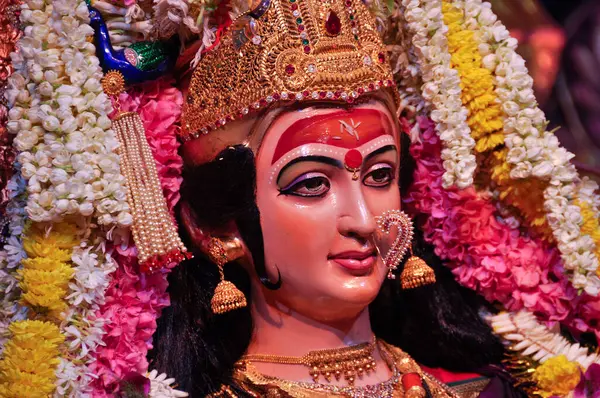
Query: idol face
point(323, 175)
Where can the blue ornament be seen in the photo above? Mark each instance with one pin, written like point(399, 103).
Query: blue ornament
point(137, 63)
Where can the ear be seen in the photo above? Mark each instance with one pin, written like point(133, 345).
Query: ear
point(202, 238)
point(197, 235)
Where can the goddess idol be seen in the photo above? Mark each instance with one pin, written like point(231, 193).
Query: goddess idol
point(294, 166)
point(289, 198)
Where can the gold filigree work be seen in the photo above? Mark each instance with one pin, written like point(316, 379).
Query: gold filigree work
point(348, 362)
point(288, 54)
point(113, 83)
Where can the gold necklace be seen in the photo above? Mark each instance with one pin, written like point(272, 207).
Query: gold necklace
point(348, 362)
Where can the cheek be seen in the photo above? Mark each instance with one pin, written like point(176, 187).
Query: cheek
point(381, 200)
point(294, 229)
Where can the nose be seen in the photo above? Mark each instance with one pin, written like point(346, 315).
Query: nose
point(355, 217)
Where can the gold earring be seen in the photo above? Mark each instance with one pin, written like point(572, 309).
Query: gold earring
point(416, 273)
point(227, 297)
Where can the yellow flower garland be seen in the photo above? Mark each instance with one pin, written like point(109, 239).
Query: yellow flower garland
point(30, 359)
point(526, 195)
point(486, 123)
point(557, 376)
point(45, 279)
point(590, 226)
point(32, 353)
point(477, 83)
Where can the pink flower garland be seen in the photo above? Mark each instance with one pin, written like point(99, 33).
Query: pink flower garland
point(485, 254)
point(133, 300)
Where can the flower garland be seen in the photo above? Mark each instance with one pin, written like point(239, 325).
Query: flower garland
point(47, 270)
point(29, 365)
point(30, 359)
point(562, 364)
point(161, 386)
point(524, 195)
point(477, 83)
point(589, 203)
point(533, 339)
point(9, 34)
point(60, 110)
point(534, 153)
point(441, 89)
point(557, 377)
point(527, 195)
point(69, 157)
point(11, 256)
point(134, 300)
point(488, 254)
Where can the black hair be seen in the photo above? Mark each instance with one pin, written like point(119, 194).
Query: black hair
point(438, 325)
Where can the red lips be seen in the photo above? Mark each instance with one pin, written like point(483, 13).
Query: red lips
point(355, 260)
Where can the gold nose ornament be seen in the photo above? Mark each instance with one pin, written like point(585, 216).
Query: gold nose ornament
point(416, 272)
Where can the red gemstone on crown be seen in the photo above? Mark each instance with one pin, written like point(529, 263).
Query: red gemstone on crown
point(381, 57)
point(290, 69)
point(353, 159)
point(333, 25)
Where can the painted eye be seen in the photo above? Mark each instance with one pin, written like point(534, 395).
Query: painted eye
point(379, 177)
point(308, 186)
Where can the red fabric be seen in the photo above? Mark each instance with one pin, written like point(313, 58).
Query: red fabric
point(410, 380)
point(449, 377)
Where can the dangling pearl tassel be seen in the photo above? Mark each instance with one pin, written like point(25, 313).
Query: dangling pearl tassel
point(154, 231)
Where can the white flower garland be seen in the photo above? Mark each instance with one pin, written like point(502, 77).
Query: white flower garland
point(83, 331)
point(60, 109)
point(531, 338)
point(10, 258)
point(441, 89)
point(160, 386)
point(535, 152)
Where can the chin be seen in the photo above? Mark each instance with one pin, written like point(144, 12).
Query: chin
point(349, 300)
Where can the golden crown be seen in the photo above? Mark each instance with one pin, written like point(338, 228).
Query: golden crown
point(287, 50)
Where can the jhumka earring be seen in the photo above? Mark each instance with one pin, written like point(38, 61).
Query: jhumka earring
point(416, 272)
point(227, 297)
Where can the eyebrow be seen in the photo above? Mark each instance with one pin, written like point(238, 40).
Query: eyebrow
point(310, 158)
point(381, 150)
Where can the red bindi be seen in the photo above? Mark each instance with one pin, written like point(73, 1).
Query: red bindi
point(353, 159)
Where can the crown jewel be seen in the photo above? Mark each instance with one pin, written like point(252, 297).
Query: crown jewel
point(287, 50)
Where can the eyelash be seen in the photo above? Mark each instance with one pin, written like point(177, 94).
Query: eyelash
point(389, 176)
point(293, 188)
point(303, 180)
